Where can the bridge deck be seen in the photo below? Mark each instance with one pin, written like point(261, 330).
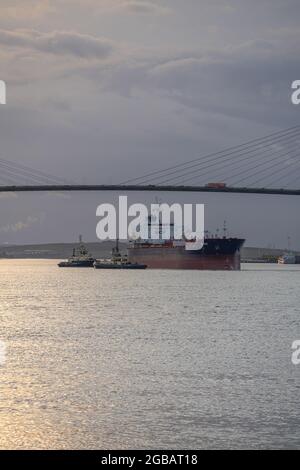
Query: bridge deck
point(125, 188)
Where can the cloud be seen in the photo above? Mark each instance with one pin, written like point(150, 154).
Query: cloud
point(24, 10)
point(241, 81)
point(135, 7)
point(143, 7)
point(246, 80)
point(57, 194)
point(9, 195)
point(59, 43)
point(249, 80)
point(21, 225)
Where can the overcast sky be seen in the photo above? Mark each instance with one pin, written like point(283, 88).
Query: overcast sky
point(104, 90)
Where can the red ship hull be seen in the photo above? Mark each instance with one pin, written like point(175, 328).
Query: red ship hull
point(162, 257)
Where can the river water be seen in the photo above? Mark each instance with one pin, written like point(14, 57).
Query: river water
point(148, 359)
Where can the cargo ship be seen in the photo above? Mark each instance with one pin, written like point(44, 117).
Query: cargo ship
point(217, 253)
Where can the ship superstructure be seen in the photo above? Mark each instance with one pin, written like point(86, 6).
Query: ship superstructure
point(80, 258)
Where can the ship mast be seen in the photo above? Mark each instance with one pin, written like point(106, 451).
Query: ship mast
point(225, 229)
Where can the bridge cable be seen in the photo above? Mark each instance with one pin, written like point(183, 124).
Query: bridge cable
point(252, 143)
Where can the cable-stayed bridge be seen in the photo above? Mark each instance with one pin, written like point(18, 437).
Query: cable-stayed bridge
point(266, 165)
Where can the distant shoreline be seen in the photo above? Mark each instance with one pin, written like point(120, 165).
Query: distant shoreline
point(59, 251)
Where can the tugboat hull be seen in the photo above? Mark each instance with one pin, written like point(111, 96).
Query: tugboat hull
point(119, 266)
point(76, 264)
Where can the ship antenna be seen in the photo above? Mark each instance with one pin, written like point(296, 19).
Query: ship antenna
point(225, 229)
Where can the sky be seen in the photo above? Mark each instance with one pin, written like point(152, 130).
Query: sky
point(100, 91)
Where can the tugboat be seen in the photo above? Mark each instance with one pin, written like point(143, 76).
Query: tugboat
point(117, 261)
point(80, 258)
point(288, 258)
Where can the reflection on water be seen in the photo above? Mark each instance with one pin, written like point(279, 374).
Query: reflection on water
point(158, 359)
